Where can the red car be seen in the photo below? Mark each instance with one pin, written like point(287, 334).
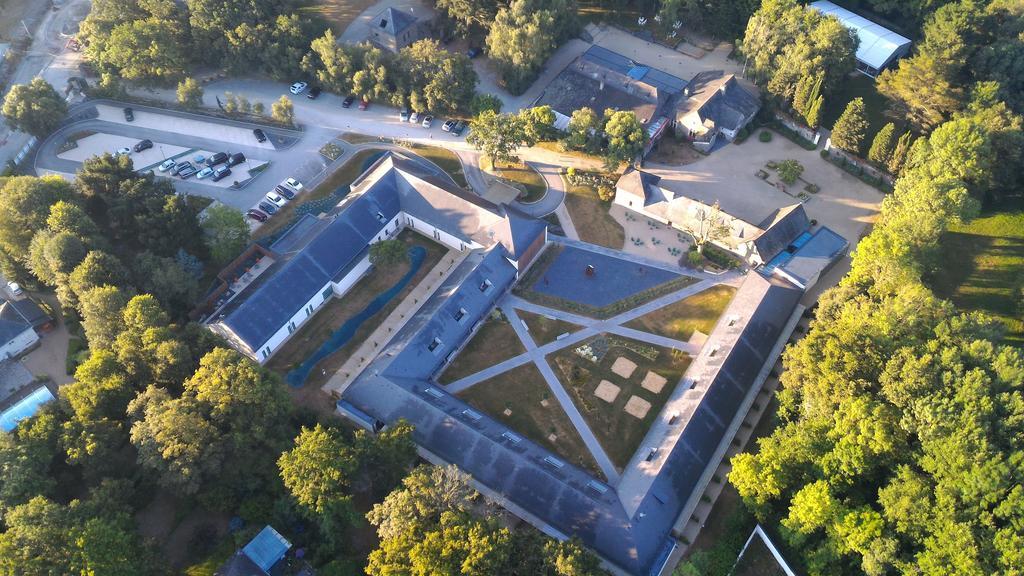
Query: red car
point(257, 215)
point(364, 104)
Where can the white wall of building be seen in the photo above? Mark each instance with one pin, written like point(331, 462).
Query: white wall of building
point(19, 344)
point(431, 231)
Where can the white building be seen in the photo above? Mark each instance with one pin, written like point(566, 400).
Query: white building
point(879, 47)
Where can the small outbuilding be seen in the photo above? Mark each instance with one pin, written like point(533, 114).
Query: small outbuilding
point(394, 29)
point(262, 556)
point(715, 104)
point(879, 47)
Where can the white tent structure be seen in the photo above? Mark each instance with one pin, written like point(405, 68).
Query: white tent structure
point(879, 47)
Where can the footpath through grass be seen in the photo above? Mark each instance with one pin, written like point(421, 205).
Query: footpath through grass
point(983, 268)
point(543, 329)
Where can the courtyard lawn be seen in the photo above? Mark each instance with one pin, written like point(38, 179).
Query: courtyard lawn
point(679, 320)
point(495, 342)
point(591, 218)
point(544, 329)
point(337, 310)
point(984, 268)
point(337, 13)
point(519, 175)
point(533, 412)
point(445, 160)
point(341, 178)
point(619, 432)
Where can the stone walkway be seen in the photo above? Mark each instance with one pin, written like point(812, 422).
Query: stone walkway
point(367, 351)
point(537, 355)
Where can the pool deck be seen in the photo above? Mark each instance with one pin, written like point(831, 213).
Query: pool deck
point(369, 349)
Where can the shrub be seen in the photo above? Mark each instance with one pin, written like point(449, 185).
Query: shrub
point(694, 258)
point(765, 136)
point(790, 171)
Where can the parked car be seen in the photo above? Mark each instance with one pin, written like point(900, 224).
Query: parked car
point(179, 167)
point(347, 102)
point(129, 115)
point(448, 125)
point(267, 207)
point(257, 215)
point(285, 191)
point(15, 289)
point(403, 115)
point(298, 87)
point(276, 199)
point(427, 121)
point(205, 173)
point(314, 92)
point(143, 145)
point(123, 151)
point(364, 104)
point(167, 165)
point(221, 173)
point(473, 52)
point(218, 158)
point(187, 172)
point(295, 184)
point(260, 135)
point(458, 128)
point(414, 117)
point(236, 159)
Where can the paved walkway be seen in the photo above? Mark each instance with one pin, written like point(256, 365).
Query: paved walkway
point(368, 350)
point(552, 198)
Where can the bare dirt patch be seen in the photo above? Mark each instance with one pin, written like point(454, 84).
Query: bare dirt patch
point(653, 382)
point(624, 367)
point(607, 391)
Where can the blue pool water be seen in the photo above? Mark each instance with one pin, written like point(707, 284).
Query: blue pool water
point(343, 334)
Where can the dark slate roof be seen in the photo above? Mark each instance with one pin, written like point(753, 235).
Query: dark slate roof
point(640, 184)
point(817, 254)
point(517, 232)
point(780, 229)
point(12, 323)
point(621, 64)
point(393, 21)
point(31, 312)
point(720, 98)
point(570, 500)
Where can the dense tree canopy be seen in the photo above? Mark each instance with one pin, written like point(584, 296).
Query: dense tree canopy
point(35, 108)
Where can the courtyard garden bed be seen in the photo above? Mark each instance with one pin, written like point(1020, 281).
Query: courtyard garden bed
point(680, 320)
point(493, 343)
point(337, 311)
point(544, 329)
point(521, 399)
point(620, 386)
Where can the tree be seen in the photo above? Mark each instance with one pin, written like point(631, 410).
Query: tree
point(570, 558)
point(469, 15)
point(25, 203)
point(226, 231)
point(443, 81)
point(388, 253)
point(36, 539)
point(26, 456)
point(97, 269)
point(626, 137)
point(790, 171)
point(899, 153)
point(331, 62)
point(148, 349)
point(387, 456)
point(484, 102)
point(538, 124)
point(882, 146)
point(166, 279)
point(707, 225)
point(849, 130)
point(101, 312)
point(317, 471)
point(190, 93)
point(520, 40)
point(283, 111)
point(35, 108)
point(813, 115)
point(146, 51)
point(584, 130)
point(52, 257)
point(807, 100)
point(497, 136)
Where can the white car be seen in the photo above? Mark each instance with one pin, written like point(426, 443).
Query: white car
point(167, 165)
point(276, 199)
point(427, 121)
point(204, 173)
point(295, 184)
point(124, 151)
point(14, 288)
point(414, 118)
point(298, 88)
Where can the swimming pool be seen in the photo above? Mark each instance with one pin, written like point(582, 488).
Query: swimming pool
point(344, 333)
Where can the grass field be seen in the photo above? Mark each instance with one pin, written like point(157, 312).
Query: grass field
point(338, 14)
point(984, 268)
point(591, 218)
point(681, 319)
point(495, 342)
point(544, 329)
point(619, 432)
point(519, 175)
point(524, 393)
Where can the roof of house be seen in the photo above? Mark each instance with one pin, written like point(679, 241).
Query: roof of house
point(877, 44)
point(814, 256)
point(642, 185)
point(393, 21)
point(633, 534)
point(719, 99)
point(330, 247)
point(780, 229)
point(12, 322)
point(31, 311)
point(25, 407)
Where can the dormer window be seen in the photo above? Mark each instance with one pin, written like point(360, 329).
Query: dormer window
point(381, 217)
point(460, 314)
point(485, 286)
point(434, 344)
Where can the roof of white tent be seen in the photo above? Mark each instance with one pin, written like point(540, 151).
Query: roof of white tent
point(877, 43)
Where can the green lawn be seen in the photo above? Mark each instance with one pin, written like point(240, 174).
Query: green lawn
point(532, 412)
point(445, 159)
point(984, 268)
point(544, 329)
point(591, 218)
point(681, 319)
point(519, 175)
point(857, 85)
point(620, 433)
point(495, 342)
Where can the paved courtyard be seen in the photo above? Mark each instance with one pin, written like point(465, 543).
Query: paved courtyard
point(613, 278)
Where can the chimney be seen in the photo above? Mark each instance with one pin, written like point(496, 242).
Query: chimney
point(601, 87)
